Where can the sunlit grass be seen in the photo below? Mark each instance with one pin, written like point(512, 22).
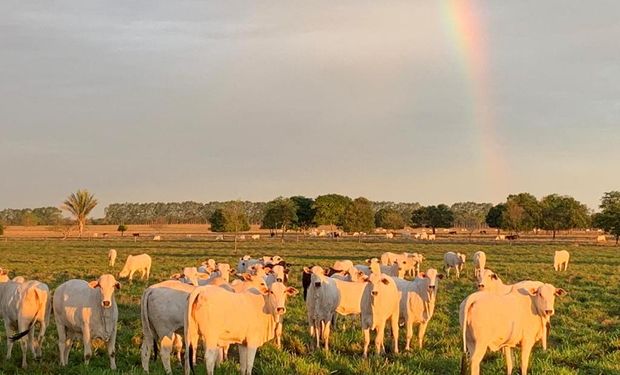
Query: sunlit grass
point(585, 338)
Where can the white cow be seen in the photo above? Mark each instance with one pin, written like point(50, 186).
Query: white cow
point(417, 302)
point(480, 261)
point(255, 237)
point(500, 237)
point(157, 238)
point(601, 238)
point(322, 299)
point(560, 260)
point(454, 260)
point(389, 235)
point(520, 317)
point(135, 263)
point(221, 318)
point(424, 236)
point(431, 237)
point(219, 237)
point(111, 257)
point(162, 310)
point(208, 266)
point(86, 310)
point(380, 303)
point(22, 305)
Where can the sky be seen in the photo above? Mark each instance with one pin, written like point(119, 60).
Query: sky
point(415, 101)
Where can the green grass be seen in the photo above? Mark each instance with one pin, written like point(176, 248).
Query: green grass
point(585, 338)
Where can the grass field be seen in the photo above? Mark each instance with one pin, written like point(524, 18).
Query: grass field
point(585, 338)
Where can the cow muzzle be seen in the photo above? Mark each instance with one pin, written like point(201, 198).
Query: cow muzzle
point(280, 310)
point(374, 293)
point(279, 279)
point(480, 286)
point(549, 312)
point(431, 287)
point(106, 304)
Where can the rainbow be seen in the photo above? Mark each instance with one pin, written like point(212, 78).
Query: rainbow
point(468, 39)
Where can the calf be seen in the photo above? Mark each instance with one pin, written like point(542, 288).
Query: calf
point(87, 310)
point(135, 263)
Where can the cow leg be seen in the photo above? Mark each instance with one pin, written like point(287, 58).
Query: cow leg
point(526, 349)
point(476, 358)
point(112, 350)
point(131, 275)
point(250, 355)
point(318, 333)
point(211, 355)
point(40, 339)
point(23, 343)
point(279, 335)
point(421, 333)
point(508, 355)
point(9, 332)
point(165, 350)
point(88, 352)
point(63, 342)
point(458, 272)
point(326, 330)
point(148, 272)
point(409, 334)
point(379, 348)
point(394, 326)
point(145, 352)
point(366, 341)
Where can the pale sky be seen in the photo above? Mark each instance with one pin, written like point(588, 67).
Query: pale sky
point(170, 101)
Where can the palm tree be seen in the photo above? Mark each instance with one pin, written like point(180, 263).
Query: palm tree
point(79, 205)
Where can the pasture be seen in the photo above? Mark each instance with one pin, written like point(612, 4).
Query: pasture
point(585, 335)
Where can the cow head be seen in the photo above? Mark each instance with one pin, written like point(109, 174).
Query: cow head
point(461, 258)
point(488, 280)
point(433, 278)
point(190, 274)
point(125, 271)
point(106, 284)
point(378, 282)
point(544, 298)
point(278, 292)
point(278, 271)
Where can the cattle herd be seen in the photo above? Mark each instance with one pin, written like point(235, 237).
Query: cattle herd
point(219, 305)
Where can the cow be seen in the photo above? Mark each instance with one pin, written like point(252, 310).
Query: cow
point(454, 260)
point(162, 308)
point(221, 317)
point(431, 237)
point(136, 263)
point(601, 238)
point(350, 296)
point(157, 238)
point(219, 237)
point(111, 257)
point(322, 300)
point(480, 260)
point(520, 317)
point(389, 235)
point(380, 303)
point(500, 237)
point(245, 263)
point(417, 302)
point(560, 260)
point(255, 236)
point(277, 274)
point(86, 310)
point(208, 266)
point(512, 237)
point(22, 305)
point(452, 232)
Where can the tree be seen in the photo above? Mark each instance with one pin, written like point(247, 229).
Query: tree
point(528, 216)
point(359, 216)
point(280, 213)
point(512, 218)
point(609, 217)
point(470, 215)
point(494, 218)
point(304, 211)
point(230, 218)
point(330, 209)
point(562, 213)
point(80, 204)
point(439, 216)
point(389, 218)
point(122, 228)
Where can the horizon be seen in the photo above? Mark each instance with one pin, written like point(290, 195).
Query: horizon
point(401, 101)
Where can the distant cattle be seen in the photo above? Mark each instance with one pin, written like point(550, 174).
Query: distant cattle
point(389, 235)
point(255, 237)
point(111, 257)
point(219, 237)
point(483, 232)
point(480, 261)
point(601, 238)
point(431, 237)
point(452, 232)
point(423, 236)
point(512, 237)
point(560, 260)
point(135, 263)
point(454, 260)
point(156, 238)
point(500, 237)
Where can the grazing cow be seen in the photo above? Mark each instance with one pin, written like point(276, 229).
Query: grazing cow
point(417, 302)
point(222, 318)
point(431, 237)
point(500, 237)
point(22, 305)
point(380, 303)
point(454, 260)
point(111, 257)
point(322, 300)
point(87, 310)
point(135, 263)
point(480, 261)
point(560, 260)
point(162, 309)
point(601, 238)
point(521, 317)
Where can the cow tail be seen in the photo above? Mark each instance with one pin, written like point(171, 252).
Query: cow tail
point(189, 327)
point(41, 307)
point(147, 329)
point(464, 364)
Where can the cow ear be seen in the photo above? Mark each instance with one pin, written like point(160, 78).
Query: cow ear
point(232, 271)
point(421, 275)
point(385, 281)
point(94, 284)
point(291, 291)
point(560, 292)
point(306, 270)
point(494, 276)
point(246, 276)
point(440, 276)
point(533, 291)
point(286, 271)
point(117, 285)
